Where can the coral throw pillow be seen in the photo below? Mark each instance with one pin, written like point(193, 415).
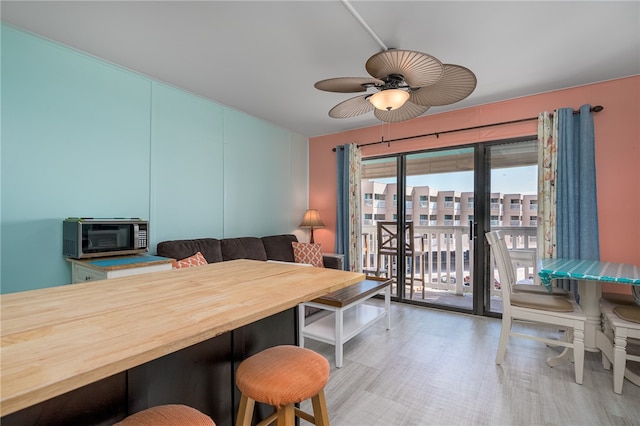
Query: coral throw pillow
point(307, 253)
point(195, 260)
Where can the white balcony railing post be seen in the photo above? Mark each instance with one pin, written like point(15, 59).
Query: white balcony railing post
point(441, 244)
point(459, 261)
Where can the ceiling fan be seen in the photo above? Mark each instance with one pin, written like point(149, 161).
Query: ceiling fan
point(407, 83)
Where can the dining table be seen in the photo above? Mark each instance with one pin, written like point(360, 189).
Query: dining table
point(590, 274)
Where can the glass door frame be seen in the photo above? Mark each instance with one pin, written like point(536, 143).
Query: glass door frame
point(481, 223)
point(401, 191)
point(487, 263)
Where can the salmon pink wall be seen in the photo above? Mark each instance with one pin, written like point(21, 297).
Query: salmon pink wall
point(617, 134)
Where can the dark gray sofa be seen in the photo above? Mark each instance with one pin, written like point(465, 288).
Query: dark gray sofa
point(273, 247)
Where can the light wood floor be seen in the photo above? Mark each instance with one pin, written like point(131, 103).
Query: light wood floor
point(438, 368)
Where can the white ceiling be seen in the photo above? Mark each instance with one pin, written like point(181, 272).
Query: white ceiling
point(263, 57)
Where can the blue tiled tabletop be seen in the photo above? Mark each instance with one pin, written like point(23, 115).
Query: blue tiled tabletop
point(595, 270)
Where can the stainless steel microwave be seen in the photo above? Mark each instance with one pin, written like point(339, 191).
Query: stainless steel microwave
point(89, 237)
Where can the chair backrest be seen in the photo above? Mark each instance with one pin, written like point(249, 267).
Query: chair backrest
point(500, 254)
point(388, 238)
point(522, 258)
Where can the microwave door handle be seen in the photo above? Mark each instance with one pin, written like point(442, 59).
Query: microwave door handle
point(136, 230)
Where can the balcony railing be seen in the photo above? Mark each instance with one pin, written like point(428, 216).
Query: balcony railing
point(444, 253)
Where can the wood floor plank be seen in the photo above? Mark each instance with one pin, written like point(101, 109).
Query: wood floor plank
point(438, 368)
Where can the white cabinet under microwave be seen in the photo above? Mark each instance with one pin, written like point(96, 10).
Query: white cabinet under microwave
point(103, 269)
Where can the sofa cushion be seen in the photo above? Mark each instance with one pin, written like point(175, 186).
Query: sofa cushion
point(181, 249)
point(332, 261)
point(278, 247)
point(307, 253)
point(243, 248)
point(195, 260)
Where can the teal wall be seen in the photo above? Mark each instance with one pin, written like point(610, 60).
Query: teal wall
point(82, 137)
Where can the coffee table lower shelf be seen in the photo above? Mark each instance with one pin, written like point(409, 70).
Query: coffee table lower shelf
point(350, 316)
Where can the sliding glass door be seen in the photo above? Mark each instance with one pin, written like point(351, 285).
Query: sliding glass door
point(445, 200)
point(513, 208)
point(434, 206)
point(440, 204)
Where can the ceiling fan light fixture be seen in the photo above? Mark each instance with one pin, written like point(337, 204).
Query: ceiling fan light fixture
point(390, 99)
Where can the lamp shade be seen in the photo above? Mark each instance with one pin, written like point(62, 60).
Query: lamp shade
point(390, 99)
point(311, 220)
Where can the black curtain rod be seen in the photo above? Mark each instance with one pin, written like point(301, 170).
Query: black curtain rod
point(596, 108)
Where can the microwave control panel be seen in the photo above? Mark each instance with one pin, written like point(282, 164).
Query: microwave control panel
point(142, 237)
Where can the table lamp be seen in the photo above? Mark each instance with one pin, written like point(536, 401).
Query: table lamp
point(311, 220)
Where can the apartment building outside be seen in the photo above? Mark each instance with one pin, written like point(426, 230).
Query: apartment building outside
point(427, 206)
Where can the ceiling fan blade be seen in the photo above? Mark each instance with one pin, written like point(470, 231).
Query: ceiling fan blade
point(418, 69)
point(347, 84)
point(456, 84)
point(406, 112)
point(351, 107)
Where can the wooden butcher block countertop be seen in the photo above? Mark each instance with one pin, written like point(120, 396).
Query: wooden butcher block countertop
point(58, 339)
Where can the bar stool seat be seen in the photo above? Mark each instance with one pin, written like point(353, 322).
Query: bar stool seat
point(282, 376)
point(168, 415)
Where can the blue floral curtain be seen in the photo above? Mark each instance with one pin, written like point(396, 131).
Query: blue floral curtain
point(348, 234)
point(547, 174)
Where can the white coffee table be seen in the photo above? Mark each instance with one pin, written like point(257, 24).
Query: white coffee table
point(350, 315)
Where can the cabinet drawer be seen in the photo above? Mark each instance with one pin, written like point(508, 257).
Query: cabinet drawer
point(82, 274)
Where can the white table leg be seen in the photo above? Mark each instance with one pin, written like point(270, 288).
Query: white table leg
point(590, 293)
point(301, 323)
point(339, 333)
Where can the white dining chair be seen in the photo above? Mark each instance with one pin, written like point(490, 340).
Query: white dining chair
point(550, 311)
point(621, 322)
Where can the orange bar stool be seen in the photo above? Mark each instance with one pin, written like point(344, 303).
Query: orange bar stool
point(283, 376)
point(168, 415)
